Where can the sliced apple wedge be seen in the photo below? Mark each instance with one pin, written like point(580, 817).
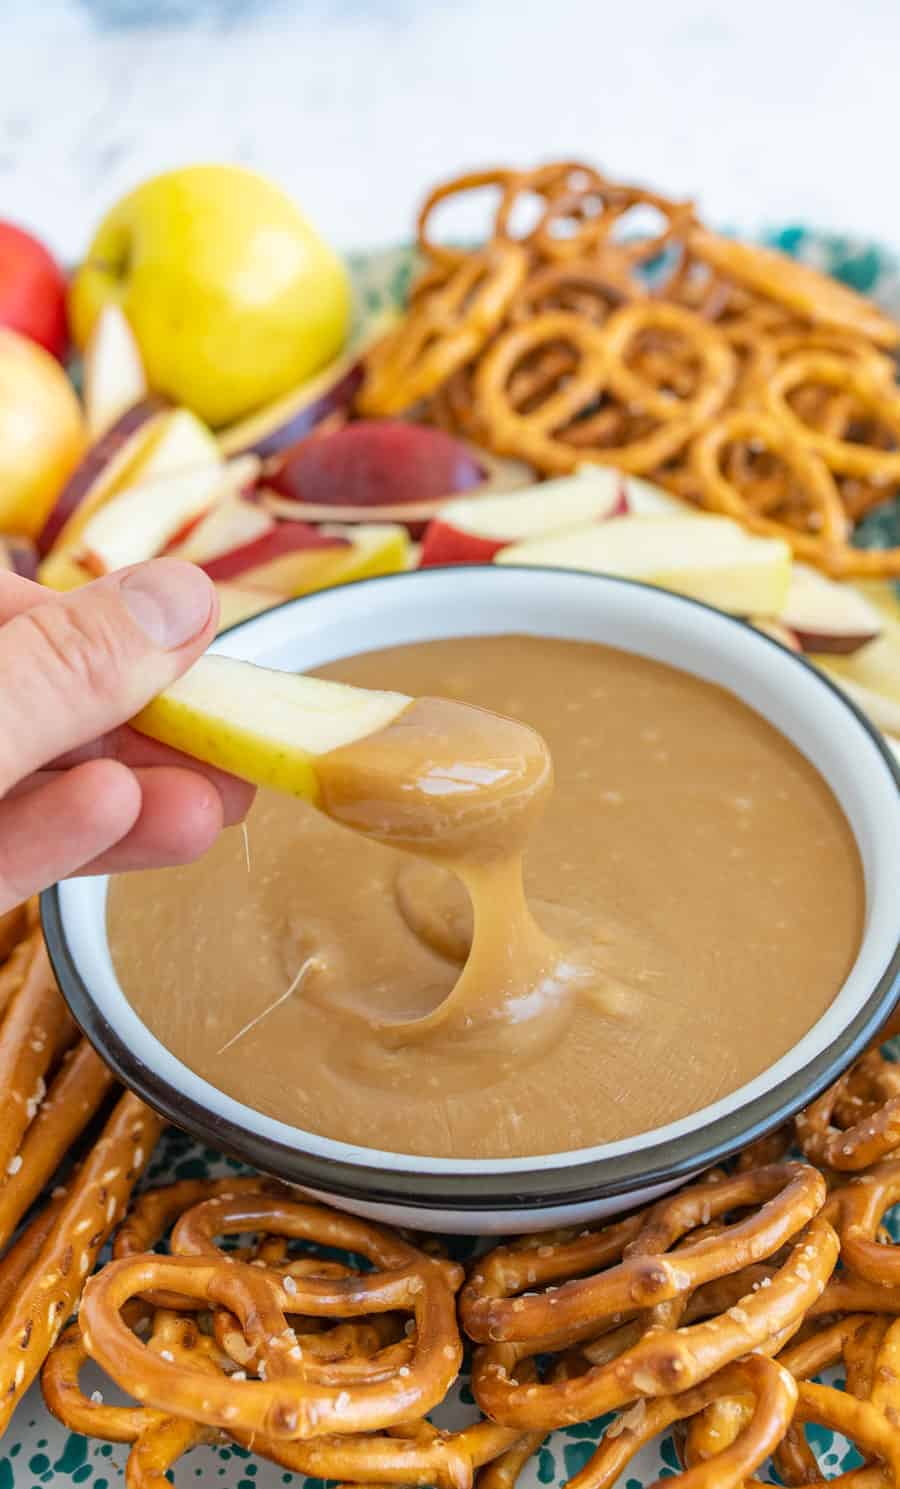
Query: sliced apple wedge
point(143, 520)
point(239, 602)
point(260, 562)
point(179, 443)
point(644, 499)
point(827, 616)
point(107, 465)
point(293, 416)
point(231, 524)
point(871, 676)
point(266, 727)
point(474, 529)
point(708, 558)
point(295, 560)
point(777, 631)
point(114, 376)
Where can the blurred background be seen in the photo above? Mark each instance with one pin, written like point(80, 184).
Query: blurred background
point(769, 112)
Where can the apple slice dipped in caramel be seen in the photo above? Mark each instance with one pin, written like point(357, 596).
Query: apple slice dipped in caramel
point(474, 529)
point(442, 779)
point(265, 726)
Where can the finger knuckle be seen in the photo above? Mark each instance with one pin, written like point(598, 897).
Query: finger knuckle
point(79, 650)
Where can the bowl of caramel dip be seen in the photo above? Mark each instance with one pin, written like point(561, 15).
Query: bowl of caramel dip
point(617, 895)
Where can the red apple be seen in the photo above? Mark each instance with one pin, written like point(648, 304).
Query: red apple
point(474, 529)
point(32, 290)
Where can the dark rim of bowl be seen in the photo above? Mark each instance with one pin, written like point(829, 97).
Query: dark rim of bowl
point(545, 1185)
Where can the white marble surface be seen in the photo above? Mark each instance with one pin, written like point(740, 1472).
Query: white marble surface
point(768, 110)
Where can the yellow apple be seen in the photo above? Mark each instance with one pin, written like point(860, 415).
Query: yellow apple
point(233, 297)
point(41, 433)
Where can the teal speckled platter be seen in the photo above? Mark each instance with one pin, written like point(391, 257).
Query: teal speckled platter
point(37, 1451)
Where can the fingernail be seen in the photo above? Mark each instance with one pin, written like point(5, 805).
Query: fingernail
point(171, 601)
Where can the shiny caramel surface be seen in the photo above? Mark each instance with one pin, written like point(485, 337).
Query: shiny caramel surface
point(691, 902)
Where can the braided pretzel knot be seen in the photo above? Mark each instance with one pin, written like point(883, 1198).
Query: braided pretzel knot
point(551, 435)
point(447, 326)
point(867, 1141)
point(656, 1354)
point(283, 1402)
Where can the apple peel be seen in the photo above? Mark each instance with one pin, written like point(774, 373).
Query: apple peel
point(265, 726)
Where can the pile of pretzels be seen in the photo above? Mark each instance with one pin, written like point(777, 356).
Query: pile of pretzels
point(601, 322)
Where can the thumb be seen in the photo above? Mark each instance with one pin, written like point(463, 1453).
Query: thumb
point(75, 666)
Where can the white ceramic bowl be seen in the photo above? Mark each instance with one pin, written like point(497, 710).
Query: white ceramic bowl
point(524, 1194)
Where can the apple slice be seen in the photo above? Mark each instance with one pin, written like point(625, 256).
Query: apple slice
point(871, 675)
point(267, 727)
point(708, 558)
point(827, 616)
point(295, 560)
point(777, 631)
point(19, 556)
point(237, 602)
point(107, 465)
point(114, 376)
point(474, 529)
point(180, 443)
point(644, 499)
point(143, 520)
point(232, 523)
point(293, 416)
point(260, 561)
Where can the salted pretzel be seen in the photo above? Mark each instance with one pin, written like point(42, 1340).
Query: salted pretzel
point(581, 215)
point(871, 1137)
point(825, 543)
point(872, 396)
point(585, 287)
point(87, 1214)
point(543, 434)
point(35, 1030)
point(507, 182)
point(75, 1094)
point(660, 1355)
point(772, 1393)
point(447, 327)
point(804, 291)
point(282, 1403)
point(857, 1210)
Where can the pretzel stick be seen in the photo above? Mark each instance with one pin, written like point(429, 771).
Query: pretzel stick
point(50, 1290)
point(36, 1027)
point(74, 1096)
point(21, 1256)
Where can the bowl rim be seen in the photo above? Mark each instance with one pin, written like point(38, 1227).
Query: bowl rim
point(544, 1185)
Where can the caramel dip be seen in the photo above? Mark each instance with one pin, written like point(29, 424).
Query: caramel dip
point(378, 969)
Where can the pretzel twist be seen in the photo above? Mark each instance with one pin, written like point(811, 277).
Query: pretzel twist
point(448, 325)
point(283, 1404)
point(857, 1210)
point(868, 1141)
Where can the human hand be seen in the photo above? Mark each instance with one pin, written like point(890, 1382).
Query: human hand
point(80, 792)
